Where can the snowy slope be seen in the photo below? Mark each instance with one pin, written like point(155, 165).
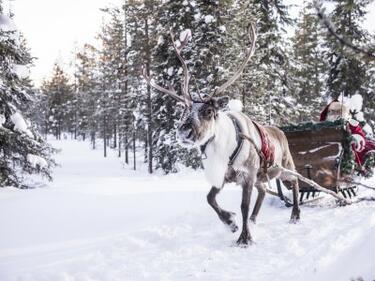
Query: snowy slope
point(101, 221)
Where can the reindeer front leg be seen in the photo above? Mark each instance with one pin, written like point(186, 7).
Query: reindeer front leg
point(226, 217)
point(245, 237)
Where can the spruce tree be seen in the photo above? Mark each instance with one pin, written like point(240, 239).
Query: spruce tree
point(309, 66)
point(22, 150)
point(348, 73)
point(87, 90)
point(60, 108)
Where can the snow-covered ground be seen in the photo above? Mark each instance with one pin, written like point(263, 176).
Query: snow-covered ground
point(101, 221)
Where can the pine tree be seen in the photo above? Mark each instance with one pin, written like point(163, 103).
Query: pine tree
point(265, 86)
point(348, 73)
point(310, 67)
point(87, 91)
point(22, 150)
point(60, 107)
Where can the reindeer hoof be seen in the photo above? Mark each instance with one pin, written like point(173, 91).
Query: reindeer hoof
point(293, 221)
point(244, 240)
point(253, 219)
point(229, 220)
point(294, 218)
point(233, 227)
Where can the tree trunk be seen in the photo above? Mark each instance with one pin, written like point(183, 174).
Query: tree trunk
point(119, 144)
point(114, 135)
point(134, 153)
point(105, 136)
point(93, 140)
point(149, 103)
point(126, 147)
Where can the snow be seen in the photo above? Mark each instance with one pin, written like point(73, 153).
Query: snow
point(186, 34)
point(160, 40)
point(36, 161)
point(6, 23)
point(354, 102)
point(222, 28)
point(20, 124)
point(99, 220)
point(2, 119)
point(208, 19)
point(235, 105)
point(170, 71)
point(197, 16)
point(21, 70)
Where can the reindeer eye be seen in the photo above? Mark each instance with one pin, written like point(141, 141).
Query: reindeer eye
point(208, 112)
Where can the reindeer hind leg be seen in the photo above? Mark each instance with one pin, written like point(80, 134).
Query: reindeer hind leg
point(292, 182)
point(261, 187)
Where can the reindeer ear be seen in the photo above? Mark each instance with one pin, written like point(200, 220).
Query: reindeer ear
point(221, 102)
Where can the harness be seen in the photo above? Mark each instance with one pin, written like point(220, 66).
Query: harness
point(239, 140)
point(266, 153)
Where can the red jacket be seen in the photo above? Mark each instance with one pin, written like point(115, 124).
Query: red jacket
point(369, 144)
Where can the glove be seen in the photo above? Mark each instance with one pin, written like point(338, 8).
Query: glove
point(358, 142)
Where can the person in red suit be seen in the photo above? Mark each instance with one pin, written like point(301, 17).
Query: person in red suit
point(361, 145)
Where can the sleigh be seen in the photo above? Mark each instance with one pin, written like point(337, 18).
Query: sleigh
point(320, 152)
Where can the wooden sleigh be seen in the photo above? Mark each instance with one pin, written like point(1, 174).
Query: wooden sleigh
point(318, 150)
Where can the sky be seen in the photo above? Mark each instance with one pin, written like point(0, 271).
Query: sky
point(55, 28)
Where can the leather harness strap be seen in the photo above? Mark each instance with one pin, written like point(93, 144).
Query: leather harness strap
point(203, 147)
point(266, 153)
point(239, 139)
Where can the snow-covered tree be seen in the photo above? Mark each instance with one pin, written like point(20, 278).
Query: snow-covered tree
point(87, 91)
point(348, 72)
point(22, 150)
point(60, 109)
point(309, 66)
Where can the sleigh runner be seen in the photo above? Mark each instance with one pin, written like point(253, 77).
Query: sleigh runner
point(321, 152)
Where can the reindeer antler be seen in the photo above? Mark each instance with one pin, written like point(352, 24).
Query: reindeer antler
point(172, 92)
point(185, 84)
point(250, 53)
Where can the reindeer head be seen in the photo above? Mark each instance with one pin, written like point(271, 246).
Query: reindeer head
point(197, 123)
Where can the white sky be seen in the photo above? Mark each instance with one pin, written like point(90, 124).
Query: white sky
point(54, 27)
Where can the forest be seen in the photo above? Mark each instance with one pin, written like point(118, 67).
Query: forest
point(298, 67)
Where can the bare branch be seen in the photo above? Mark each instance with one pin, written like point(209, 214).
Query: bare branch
point(332, 30)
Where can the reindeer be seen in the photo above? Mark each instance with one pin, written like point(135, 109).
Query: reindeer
point(226, 157)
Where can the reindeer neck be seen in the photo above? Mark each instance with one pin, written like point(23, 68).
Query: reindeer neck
point(219, 150)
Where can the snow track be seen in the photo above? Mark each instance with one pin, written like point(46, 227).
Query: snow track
point(99, 221)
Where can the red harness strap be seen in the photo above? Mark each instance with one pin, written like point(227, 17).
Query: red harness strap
point(268, 149)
